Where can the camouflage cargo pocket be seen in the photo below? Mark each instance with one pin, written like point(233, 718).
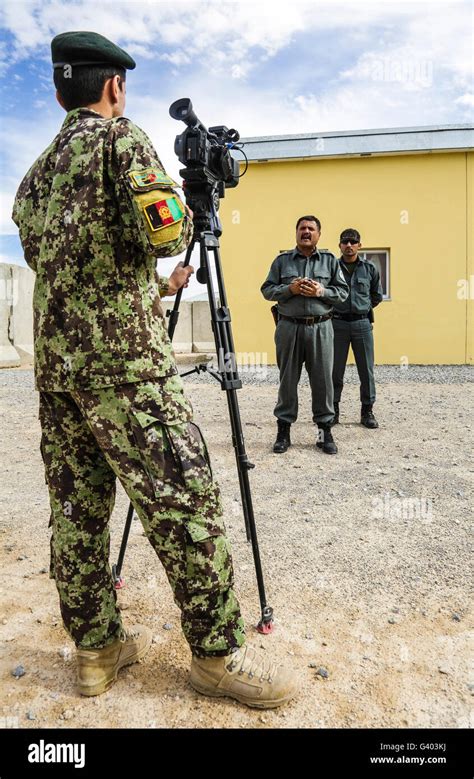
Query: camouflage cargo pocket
point(158, 459)
point(191, 452)
point(208, 558)
point(172, 450)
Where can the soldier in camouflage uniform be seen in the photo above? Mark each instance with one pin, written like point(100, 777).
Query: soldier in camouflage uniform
point(94, 212)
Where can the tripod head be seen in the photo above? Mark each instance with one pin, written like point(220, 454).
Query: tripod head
point(210, 167)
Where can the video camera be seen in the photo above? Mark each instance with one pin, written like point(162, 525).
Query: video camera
point(210, 167)
point(206, 150)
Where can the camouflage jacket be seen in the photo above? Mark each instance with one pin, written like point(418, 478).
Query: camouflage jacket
point(96, 304)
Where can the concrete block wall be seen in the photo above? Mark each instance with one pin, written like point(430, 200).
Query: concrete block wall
point(193, 332)
point(16, 317)
point(183, 334)
point(203, 338)
point(23, 285)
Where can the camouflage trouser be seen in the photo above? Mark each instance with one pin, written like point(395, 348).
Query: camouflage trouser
point(143, 434)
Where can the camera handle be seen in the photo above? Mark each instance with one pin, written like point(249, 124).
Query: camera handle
point(228, 377)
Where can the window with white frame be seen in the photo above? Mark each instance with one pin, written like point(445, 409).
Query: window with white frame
point(381, 260)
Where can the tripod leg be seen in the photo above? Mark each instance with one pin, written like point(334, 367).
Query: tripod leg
point(266, 622)
point(230, 382)
point(117, 569)
point(174, 313)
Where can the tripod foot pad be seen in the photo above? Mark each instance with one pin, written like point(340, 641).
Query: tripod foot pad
point(265, 627)
point(119, 583)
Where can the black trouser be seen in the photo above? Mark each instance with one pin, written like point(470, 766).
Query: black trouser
point(357, 334)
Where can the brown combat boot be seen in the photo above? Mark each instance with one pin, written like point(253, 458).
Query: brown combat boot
point(247, 675)
point(97, 669)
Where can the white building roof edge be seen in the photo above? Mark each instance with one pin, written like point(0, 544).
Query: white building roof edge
point(395, 140)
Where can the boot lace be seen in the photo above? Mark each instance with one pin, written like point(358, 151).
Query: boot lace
point(253, 663)
point(131, 633)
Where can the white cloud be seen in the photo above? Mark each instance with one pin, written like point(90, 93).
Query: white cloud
point(176, 58)
point(138, 50)
point(240, 35)
point(414, 69)
point(225, 31)
point(467, 100)
point(238, 71)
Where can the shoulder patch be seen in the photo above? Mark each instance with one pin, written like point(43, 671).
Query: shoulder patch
point(142, 179)
point(159, 211)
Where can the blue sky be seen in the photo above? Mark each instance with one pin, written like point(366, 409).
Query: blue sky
point(266, 68)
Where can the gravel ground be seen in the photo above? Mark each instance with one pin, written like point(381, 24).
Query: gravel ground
point(365, 555)
point(384, 374)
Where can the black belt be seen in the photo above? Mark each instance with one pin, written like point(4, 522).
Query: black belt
point(350, 317)
point(306, 320)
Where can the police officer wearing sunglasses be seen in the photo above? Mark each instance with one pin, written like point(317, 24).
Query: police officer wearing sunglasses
point(352, 325)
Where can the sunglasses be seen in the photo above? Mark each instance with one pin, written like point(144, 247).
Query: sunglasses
point(352, 241)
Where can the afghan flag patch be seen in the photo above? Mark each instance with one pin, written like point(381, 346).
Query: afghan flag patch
point(164, 212)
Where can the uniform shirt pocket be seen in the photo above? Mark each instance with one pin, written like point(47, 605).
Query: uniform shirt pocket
point(323, 278)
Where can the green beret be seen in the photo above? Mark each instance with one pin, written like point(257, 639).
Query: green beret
point(88, 48)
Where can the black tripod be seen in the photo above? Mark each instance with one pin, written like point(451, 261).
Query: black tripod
point(207, 230)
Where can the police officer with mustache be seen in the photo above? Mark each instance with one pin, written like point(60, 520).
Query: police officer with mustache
point(306, 283)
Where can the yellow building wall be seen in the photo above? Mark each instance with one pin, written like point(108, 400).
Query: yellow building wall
point(470, 257)
point(414, 205)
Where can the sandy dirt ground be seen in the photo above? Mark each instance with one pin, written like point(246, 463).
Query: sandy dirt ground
point(365, 555)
